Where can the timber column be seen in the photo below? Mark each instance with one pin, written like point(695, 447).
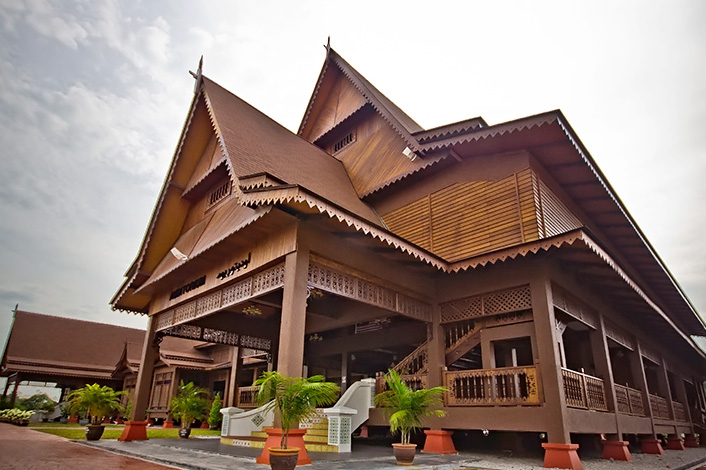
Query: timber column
point(136, 427)
point(290, 358)
point(559, 451)
point(614, 447)
point(437, 441)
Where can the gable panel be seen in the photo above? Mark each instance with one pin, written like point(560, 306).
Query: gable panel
point(342, 101)
point(376, 157)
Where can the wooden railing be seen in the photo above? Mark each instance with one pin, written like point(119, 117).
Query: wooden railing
point(584, 391)
point(415, 362)
point(246, 397)
point(660, 407)
point(413, 381)
point(502, 386)
point(629, 401)
point(679, 412)
point(457, 333)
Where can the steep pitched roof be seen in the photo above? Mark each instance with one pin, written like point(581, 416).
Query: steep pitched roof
point(46, 344)
point(398, 119)
point(256, 144)
point(251, 144)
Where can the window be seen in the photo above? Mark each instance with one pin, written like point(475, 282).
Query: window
point(218, 194)
point(344, 142)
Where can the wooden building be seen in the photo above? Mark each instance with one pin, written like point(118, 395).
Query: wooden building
point(45, 349)
point(493, 259)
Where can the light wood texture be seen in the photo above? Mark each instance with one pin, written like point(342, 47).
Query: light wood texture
point(469, 218)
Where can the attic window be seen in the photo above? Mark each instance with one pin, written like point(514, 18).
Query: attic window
point(218, 194)
point(344, 142)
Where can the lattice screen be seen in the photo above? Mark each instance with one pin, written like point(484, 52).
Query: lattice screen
point(510, 300)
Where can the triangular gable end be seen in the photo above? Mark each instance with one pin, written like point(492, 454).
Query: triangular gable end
point(198, 163)
point(326, 109)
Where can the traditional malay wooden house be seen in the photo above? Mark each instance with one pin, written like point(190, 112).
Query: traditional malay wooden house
point(46, 349)
point(495, 260)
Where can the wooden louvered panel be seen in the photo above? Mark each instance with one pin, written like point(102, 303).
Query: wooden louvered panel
point(470, 218)
point(528, 208)
point(557, 217)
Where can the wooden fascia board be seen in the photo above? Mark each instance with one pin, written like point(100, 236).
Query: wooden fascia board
point(315, 92)
point(588, 159)
point(160, 200)
point(381, 109)
point(294, 193)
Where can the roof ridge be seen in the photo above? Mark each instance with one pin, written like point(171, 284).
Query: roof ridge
point(80, 320)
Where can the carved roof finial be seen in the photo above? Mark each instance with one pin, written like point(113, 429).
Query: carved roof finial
point(197, 75)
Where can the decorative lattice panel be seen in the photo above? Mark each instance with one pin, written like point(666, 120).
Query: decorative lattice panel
point(185, 312)
point(219, 336)
point(334, 424)
point(257, 420)
point(345, 430)
point(164, 320)
point(510, 300)
point(268, 280)
point(353, 287)
point(253, 342)
point(507, 301)
point(237, 292)
point(208, 303)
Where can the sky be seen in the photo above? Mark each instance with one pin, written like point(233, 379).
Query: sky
point(94, 95)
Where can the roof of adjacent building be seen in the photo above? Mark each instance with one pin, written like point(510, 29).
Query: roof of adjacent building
point(48, 345)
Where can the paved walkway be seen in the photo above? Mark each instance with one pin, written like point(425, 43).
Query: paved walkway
point(24, 449)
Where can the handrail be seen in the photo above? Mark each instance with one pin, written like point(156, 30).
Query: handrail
point(583, 390)
point(349, 412)
point(416, 362)
point(629, 401)
point(659, 406)
point(237, 422)
point(490, 387)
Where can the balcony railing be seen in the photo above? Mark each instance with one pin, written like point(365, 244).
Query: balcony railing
point(413, 381)
point(679, 412)
point(246, 397)
point(502, 386)
point(660, 407)
point(629, 401)
point(584, 391)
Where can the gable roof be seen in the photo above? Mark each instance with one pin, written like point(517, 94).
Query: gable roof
point(45, 344)
point(404, 125)
point(255, 144)
point(251, 144)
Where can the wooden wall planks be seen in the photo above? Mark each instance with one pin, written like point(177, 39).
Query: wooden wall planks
point(474, 217)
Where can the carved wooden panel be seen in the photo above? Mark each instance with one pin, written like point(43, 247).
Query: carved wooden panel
point(510, 300)
point(353, 287)
point(257, 284)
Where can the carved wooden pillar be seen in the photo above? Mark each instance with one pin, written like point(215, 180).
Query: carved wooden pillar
point(290, 359)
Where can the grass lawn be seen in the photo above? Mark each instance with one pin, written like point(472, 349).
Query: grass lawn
point(113, 433)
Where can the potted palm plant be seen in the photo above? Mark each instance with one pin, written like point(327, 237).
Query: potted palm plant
point(189, 404)
point(293, 399)
point(98, 401)
point(405, 409)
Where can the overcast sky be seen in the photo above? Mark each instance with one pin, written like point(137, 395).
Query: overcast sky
point(94, 96)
